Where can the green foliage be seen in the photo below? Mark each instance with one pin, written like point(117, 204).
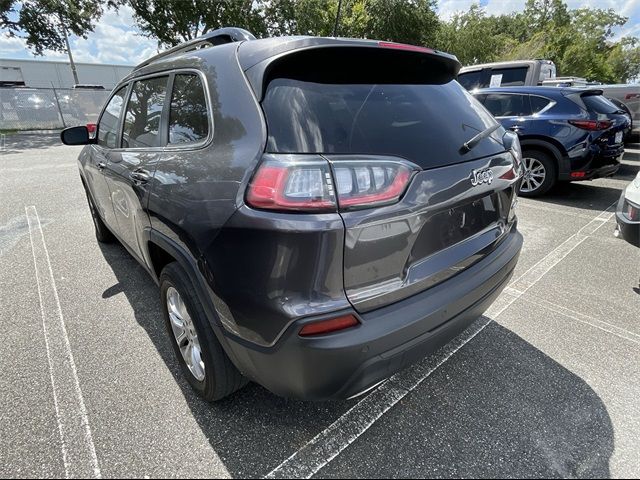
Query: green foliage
point(580, 42)
point(174, 21)
point(40, 22)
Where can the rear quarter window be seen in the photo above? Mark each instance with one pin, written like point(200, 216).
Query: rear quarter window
point(188, 115)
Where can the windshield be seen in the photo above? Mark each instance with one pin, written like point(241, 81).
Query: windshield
point(425, 124)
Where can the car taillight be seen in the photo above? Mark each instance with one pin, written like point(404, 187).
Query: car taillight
point(367, 184)
point(293, 183)
point(592, 125)
point(405, 46)
point(632, 212)
point(92, 127)
point(329, 326)
point(306, 183)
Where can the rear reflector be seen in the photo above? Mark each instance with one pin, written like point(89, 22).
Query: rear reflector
point(328, 326)
point(404, 46)
point(578, 174)
point(591, 125)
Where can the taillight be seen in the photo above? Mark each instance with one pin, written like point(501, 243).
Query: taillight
point(329, 326)
point(91, 127)
point(592, 125)
point(632, 212)
point(312, 184)
point(370, 183)
point(292, 183)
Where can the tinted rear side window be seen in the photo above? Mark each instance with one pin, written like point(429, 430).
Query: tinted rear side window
point(188, 121)
point(511, 77)
point(508, 105)
point(598, 104)
point(538, 103)
point(426, 124)
point(471, 80)
point(144, 111)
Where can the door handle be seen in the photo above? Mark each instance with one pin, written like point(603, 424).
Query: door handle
point(516, 128)
point(101, 165)
point(140, 176)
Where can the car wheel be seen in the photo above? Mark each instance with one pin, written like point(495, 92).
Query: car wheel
point(539, 173)
point(206, 366)
point(103, 234)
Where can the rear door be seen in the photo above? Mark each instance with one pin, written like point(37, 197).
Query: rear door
point(455, 209)
point(513, 110)
point(131, 168)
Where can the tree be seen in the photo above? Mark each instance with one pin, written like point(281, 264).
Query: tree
point(174, 21)
point(43, 23)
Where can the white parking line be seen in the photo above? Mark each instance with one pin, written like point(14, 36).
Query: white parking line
point(328, 444)
point(78, 451)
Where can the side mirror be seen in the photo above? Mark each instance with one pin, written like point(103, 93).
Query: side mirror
point(76, 136)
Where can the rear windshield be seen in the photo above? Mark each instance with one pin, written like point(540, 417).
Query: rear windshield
point(598, 104)
point(426, 124)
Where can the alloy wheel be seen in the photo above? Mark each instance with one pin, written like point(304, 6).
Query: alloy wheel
point(534, 175)
point(185, 334)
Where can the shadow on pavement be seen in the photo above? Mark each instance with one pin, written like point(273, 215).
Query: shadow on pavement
point(22, 142)
point(498, 408)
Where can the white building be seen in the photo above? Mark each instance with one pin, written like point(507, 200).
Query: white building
point(47, 74)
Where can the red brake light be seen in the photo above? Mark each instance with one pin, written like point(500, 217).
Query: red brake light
point(327, 326)
point(292, 185)
point(578, 174)
point(592, 125)
point(629, 96)
point(91, 127)
point(404, 46)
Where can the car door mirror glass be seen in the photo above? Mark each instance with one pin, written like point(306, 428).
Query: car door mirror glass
point(76, 136)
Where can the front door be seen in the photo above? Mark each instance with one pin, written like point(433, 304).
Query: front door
point(130, 169)
point(108, 127)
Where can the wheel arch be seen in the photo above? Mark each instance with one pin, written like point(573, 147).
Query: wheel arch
point(549, 146)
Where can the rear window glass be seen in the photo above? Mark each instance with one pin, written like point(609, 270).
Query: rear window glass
point(426, 124)
point(508, 105)
point(598, 104)
point(511, 77)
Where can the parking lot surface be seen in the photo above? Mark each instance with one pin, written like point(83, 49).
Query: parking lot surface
point(545, 384)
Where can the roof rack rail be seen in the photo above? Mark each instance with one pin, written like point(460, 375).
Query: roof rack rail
point(213, 38)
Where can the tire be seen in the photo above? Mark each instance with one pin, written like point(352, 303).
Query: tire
point(103, 234)
point(537, 163)
point(212, 375)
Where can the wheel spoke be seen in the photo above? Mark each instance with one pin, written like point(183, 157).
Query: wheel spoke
point(184, 333)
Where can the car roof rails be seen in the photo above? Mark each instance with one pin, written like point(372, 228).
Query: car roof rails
point(210, 39)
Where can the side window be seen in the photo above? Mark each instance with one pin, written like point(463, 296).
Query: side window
point(188, 121)
point(471, 80)
point(538, 103)
point(511, 77)
point(508, 105)
point(143, 114)
point(108, 124)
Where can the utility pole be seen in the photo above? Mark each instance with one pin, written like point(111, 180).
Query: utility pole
point(335, 28)
point(66, 41)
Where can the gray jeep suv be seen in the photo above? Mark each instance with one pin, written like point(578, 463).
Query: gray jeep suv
point(318, 213)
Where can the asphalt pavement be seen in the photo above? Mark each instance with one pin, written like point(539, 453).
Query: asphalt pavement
point(545, 384)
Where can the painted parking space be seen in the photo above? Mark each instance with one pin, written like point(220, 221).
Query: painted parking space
point(523, 392)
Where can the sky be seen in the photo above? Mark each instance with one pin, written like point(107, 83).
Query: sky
point(115, 39)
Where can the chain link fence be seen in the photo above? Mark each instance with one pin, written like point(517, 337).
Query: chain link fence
point(49, 108)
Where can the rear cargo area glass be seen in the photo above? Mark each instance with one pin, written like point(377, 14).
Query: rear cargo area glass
point(425, 124)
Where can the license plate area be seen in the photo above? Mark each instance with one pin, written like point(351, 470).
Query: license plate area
point(454, 225)
point(618, 138)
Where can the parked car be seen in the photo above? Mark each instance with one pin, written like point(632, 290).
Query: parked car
point(628, 213)
point(566, 134)
point(319, 213)
point(516, 73)
point(543, 72)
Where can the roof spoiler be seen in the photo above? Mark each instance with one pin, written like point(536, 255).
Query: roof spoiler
point(210, 39)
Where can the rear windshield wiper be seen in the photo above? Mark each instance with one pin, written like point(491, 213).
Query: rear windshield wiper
point(470, 144)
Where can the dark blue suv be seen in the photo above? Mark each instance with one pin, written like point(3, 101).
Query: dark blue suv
point(566, 134)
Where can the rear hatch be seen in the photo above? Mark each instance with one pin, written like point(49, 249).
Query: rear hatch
point(612, 121)
point(360, 107)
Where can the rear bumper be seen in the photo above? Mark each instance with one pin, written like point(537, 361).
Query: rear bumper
point(343, 364)
point(599, 166)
